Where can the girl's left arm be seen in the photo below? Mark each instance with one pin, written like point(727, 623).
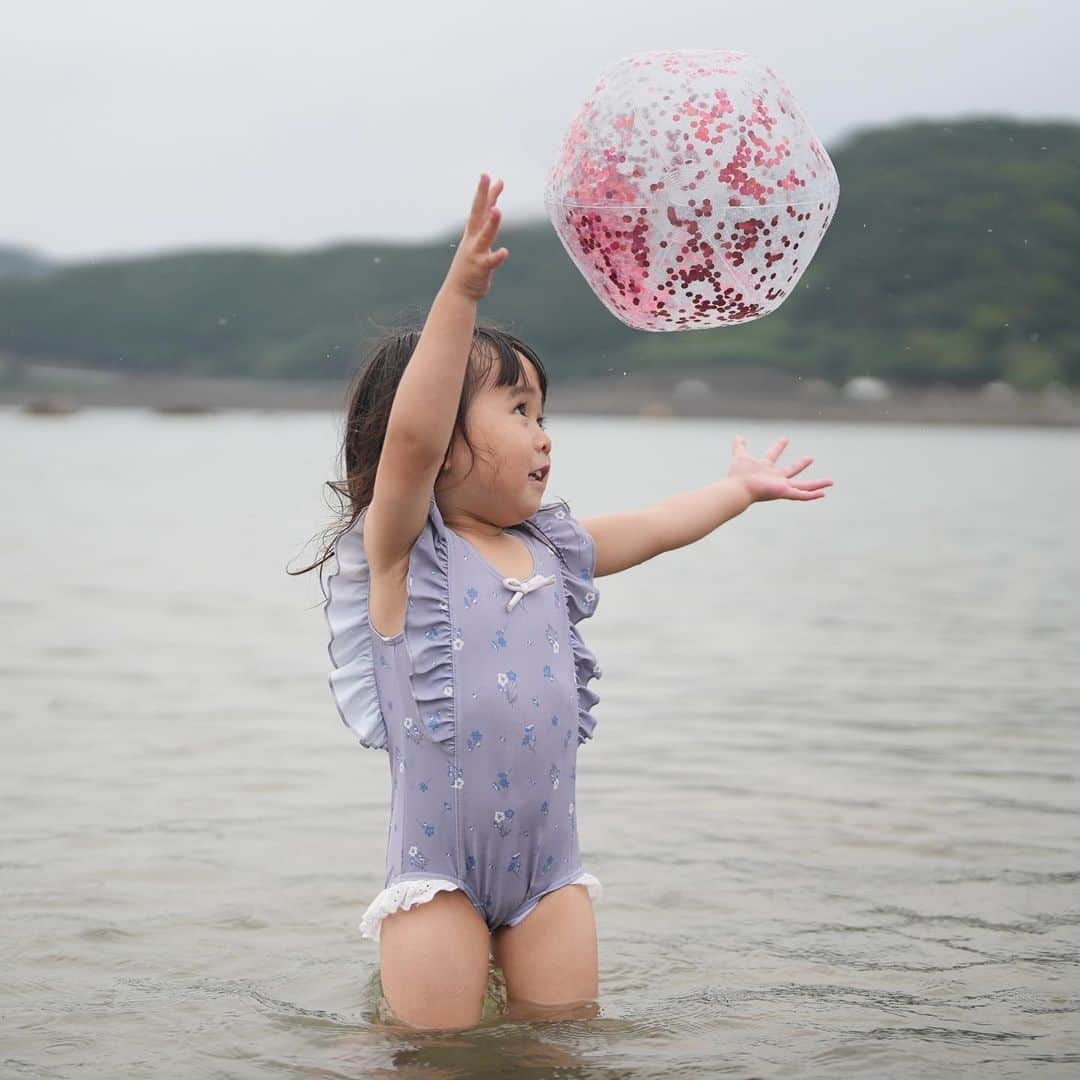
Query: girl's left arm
point(627, 539)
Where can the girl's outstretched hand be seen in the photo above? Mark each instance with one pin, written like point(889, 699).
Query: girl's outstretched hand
point(474, 262)
point(764, 479)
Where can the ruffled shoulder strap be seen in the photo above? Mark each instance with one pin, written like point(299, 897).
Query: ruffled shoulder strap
point(577, 554)
point(577, 551)
point(431, 637)
point(352, 675)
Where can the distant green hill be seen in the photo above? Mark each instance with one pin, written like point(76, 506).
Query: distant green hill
point(954, 256)
point(18, 262)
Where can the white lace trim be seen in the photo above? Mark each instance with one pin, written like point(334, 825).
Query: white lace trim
point(400, 897)
point(405, 894)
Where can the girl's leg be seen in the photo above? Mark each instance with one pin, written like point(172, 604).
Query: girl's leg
point(433, 962)
point(550, 957)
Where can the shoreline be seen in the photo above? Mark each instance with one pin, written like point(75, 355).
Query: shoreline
point(728, 393)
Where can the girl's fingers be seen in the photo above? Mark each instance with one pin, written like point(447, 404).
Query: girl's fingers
point(491, 225)
point(477, 245)
point(775, 450)
point(812, 485)
point(479, 199)
point(484, 203)
point(794, 470)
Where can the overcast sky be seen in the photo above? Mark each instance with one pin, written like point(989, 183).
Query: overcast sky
point(133, 126)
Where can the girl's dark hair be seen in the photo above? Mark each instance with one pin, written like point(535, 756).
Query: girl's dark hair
point(371, 395)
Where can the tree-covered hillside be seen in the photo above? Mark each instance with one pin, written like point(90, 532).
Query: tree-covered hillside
point(954, 256)
point(20, 263)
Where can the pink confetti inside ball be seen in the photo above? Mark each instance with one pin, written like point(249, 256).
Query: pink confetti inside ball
point(690, 190)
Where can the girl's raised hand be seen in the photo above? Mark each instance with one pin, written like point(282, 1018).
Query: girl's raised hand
point(474, 262)
point(764, 479)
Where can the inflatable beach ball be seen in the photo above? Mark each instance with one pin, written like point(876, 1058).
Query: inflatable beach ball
point(690, 191)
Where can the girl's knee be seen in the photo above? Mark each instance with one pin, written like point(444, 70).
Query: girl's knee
point(426, 1016)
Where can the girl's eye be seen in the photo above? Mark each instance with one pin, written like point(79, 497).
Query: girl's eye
point(521, 405)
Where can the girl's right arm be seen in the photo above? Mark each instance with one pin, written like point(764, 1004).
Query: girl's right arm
point(425, 404)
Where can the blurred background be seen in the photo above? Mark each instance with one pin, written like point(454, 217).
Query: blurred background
point(833, 795)
point(255, 191)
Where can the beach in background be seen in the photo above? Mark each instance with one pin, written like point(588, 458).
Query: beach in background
point(752, 392)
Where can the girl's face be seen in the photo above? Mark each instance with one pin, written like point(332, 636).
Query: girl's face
point(505, 426)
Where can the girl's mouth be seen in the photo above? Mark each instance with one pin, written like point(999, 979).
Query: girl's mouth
point(540, 475)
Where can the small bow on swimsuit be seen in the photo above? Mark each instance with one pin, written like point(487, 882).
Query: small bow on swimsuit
point(522, 587)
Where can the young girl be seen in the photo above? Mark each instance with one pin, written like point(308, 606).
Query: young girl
point(454, 643)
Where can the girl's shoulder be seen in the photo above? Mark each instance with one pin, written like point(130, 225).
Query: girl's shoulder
point(555, 522)
point(556, 525)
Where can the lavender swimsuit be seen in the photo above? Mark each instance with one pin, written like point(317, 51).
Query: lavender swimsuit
point(481, 703)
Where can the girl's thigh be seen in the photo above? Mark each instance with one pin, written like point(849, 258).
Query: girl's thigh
point(550, 957)
point(433, 962)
